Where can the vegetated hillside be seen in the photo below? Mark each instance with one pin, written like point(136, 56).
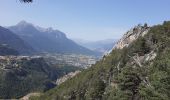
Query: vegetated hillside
point(12, 40)
point(139, 71)
point(48, 40)
point(6, 50)
point(20, 75)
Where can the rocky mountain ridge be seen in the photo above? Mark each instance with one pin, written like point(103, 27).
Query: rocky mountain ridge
point(131, 36)
point(48, 40)
point(66, 77)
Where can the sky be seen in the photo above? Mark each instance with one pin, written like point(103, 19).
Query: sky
point(90, 20)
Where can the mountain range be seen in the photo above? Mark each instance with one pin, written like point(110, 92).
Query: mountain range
point(48, 39)
point(20, 71)
point(137, 68)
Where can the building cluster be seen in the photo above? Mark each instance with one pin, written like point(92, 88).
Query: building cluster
point(82, 61)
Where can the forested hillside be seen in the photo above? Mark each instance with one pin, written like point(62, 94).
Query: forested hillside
point(9, 39)
point(139, 71)
point(20, 75)
point(6, 50)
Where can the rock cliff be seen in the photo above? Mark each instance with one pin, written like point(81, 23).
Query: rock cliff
point(66, 77)
point(131, 36)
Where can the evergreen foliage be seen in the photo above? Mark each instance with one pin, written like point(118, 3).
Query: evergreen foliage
point(24, 76)
point(6, 50)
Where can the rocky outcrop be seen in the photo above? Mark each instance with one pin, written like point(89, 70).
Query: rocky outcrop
point(27, 97)
point(66, 77)
point(141, 60)
point(131, 35)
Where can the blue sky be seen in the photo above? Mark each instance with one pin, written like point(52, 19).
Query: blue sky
point(86, 19)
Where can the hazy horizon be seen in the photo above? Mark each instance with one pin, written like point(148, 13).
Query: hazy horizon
point(88, 20)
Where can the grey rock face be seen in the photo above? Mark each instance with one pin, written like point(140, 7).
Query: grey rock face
point(131, 36)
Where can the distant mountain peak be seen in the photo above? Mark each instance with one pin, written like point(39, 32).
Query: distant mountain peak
point(48, 39)
point(23, 23)
point(41, 29)
point(50, 30)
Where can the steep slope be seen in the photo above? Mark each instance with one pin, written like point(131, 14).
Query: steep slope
point(48, 40)
point(9, 38)
point(138, 71)
point(6, 50)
